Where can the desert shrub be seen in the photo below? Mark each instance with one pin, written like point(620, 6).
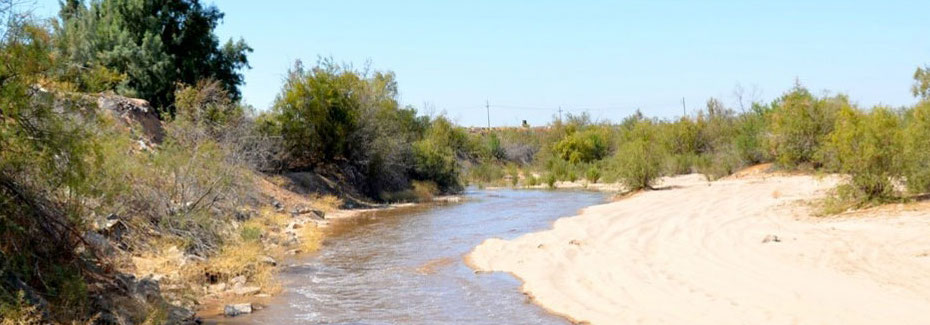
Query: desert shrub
point(684, 163)
point(16, 310)
point(494, 148)
point(748, 141)
point(637, 162)
point(719, 163)
point(866, 147)
point(798, 123)
point(317, 111)
point(572, 176)
point(47, 151)
point(715, 127)
point(436, 162)
point(208, 105)
point(593, 174)
point(916, 148)
point(250, 233)
point(550, 180)
point(532, 180)
point(583, 147)
point(514, 174)
point(485, 173)
point(425, 191)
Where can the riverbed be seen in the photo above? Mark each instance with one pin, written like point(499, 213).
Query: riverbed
point(406, 266)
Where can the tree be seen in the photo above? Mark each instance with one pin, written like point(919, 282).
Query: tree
point(921, 87)
point(144, 48)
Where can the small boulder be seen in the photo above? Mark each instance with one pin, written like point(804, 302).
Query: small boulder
point(278, 206)
point(237, 309)
point(238, 280)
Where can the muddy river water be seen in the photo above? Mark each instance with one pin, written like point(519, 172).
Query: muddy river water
point(406, 266)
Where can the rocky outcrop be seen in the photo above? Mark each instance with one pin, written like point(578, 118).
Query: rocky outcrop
point(134, 111)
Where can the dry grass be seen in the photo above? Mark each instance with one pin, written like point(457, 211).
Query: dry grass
point(22, 314)
point(327, 203)
point(244, 259)
point(311, 238)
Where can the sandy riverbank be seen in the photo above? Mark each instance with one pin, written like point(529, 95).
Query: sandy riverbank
point(697, 254)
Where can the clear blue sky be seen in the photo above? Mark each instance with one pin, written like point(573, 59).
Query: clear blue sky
point(608, 58)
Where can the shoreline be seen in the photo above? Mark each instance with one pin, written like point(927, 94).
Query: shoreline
point(702, 258)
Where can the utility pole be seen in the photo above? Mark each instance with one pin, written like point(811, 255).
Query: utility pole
point(487, 105)
point(560, 113)
point(684, 111)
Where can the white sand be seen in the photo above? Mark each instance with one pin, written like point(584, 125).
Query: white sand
point(694, 255)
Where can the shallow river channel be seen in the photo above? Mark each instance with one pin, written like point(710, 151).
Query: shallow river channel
point(405, 266)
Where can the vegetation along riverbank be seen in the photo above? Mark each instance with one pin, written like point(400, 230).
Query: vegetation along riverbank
point(136, 185)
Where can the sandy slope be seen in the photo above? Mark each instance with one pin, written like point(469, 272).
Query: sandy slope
point(694, 255)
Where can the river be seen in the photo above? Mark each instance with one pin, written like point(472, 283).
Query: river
point(406, 266)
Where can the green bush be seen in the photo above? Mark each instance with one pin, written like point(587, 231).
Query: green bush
point(318, 110)
point(550, 180)
point(916, 149)
point(436, 163)
point(248, 233)
point(637, 162)
point(583, 147)
point(593, 174)
point(866, 147)
point(532, 180)
point(514, 175)
point(718, 163)
point(485, 173)
point(749, 138)
point(798, 124)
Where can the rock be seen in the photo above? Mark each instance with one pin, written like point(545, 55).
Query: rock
point(302, 210)
point(292, 252)
point(238, 280)
point(217, 288)
point(292, 240)
point(134, 111)
point(268, 260)
point(246, 291)
point(237, 309)
point(771, 238)
point(188, 258)
point(278, 206)
point(243, 215)
point(99, 243)
point(574, 242)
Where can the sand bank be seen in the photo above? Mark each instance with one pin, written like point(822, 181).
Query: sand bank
point(705, 253)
